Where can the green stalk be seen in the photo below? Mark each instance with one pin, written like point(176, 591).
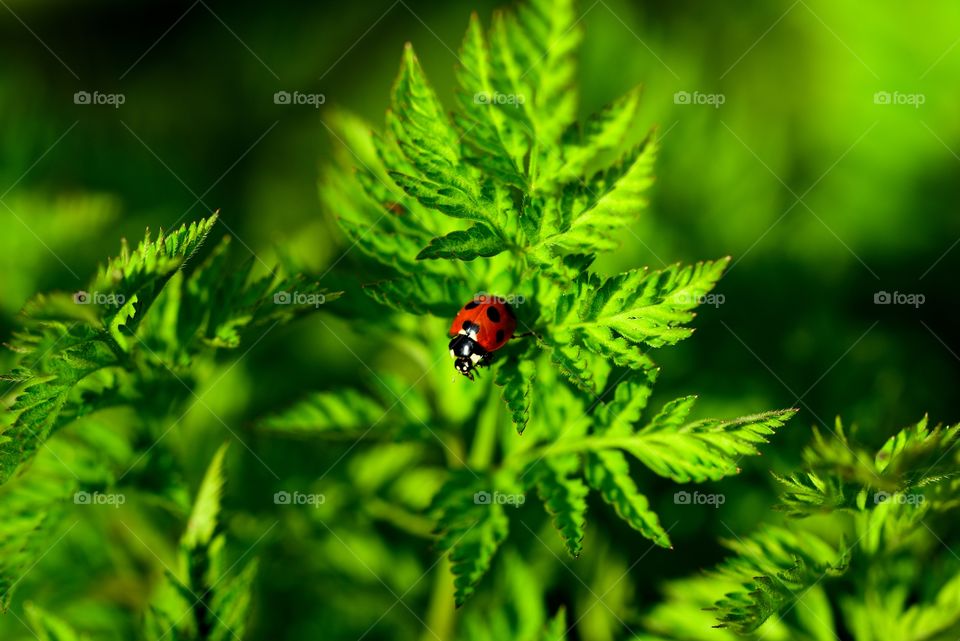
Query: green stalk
point(485, 439)
point(441, 612)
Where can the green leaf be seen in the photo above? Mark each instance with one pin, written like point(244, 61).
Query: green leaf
point(127, 311)
point(604, 134)
point(516, 376)
point(475, 242)
point(534, 53)
point(431, 145)
point(617, 349)
point(564, 496)
point(614, 203)
point(451, 200)
point(644, 307)
point(672, 415)
point(808, 493)
point(608, 472)
point(629, 400)
point(579, 368)
point(70, 339)
point(918, 455)
point(32, 507)
point(142, 273)
point(56, 358)
point(376, 215)
point(556, 628)
point(704, 450)
point(206, 507)
point(207, 601)
point(419, 121)
point(36, 411)
point(47, 627)
point(385, 240)
point(775, 567)
point(494, 139)
point(469, 529)
point(339, 411)
point(231, 604)
point(422, 294)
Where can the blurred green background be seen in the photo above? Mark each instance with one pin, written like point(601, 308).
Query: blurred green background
point(819, 173)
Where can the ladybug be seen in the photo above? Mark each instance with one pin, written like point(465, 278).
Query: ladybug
point(480, 328)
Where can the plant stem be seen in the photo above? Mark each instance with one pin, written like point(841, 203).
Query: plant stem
point(579, 445)
point(441, 611)
point(406, 521)
point(485, 439)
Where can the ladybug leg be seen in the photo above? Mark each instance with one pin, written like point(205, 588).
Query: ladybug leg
point(486, 360)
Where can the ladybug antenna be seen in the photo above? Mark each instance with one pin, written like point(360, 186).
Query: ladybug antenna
point(528, 334)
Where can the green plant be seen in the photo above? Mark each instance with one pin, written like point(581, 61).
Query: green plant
point(540, 196)
point(110, 371)
point(863, 552)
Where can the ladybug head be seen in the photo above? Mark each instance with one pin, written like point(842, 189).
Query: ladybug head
point(464, 366)
point(466, 354)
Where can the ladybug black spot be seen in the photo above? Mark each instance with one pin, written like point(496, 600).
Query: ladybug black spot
point(471, 304)
point(500, 335)
point(493, 314)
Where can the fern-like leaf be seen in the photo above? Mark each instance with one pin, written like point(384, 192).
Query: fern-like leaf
point(613, 204)
point(604, 134)
point(516, 376)
point(564, 496)
point(422, 294)
point(470, 529)
point(646, 307)
point(703, 450)
point(339, 411)
point(48, 627)
point(608, 472)
point(475, 242)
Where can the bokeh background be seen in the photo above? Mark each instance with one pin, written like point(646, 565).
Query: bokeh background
point(829, 173)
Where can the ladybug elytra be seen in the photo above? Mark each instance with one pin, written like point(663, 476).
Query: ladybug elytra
point(481, 327)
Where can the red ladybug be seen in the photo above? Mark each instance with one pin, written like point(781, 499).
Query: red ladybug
point(483, 326)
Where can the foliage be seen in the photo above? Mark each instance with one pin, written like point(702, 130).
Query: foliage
point(138, 339)
point(508, 194)
point(512, 197)
point(844, 560)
